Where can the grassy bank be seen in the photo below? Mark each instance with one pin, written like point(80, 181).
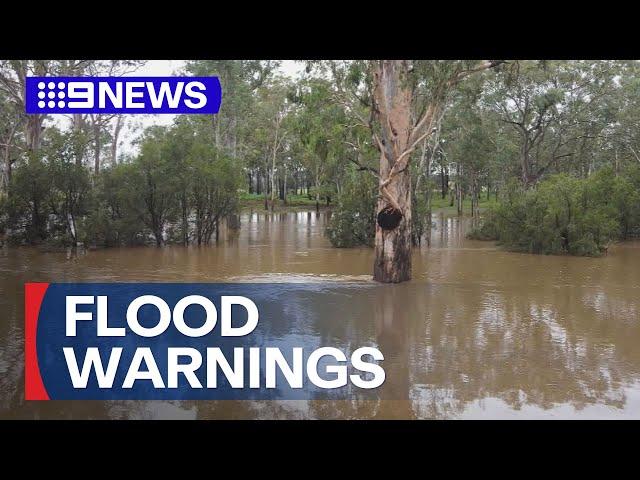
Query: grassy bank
point(253, 201)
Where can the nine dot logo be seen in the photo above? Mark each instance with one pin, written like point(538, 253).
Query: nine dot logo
point(131, 95)
point(51, 91)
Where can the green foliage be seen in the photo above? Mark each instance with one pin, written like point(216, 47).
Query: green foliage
point(565, 215)
point(506, 132)
point(27, 206)
point(214, 192)
point(320, 135)
point(178, 174)
point(353, 220)
point(48, 193)
point(116, 217)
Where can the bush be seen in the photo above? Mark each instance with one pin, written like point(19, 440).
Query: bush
point(353, 220)
point(565, 215)
point(115, 218)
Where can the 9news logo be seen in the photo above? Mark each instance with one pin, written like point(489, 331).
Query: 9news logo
point(131, 95)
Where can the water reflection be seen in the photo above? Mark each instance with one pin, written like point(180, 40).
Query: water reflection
point(479, 333)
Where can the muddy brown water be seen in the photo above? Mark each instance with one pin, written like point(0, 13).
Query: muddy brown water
point(478, 332)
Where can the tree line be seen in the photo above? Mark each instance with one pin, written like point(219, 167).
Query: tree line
point(379, 141)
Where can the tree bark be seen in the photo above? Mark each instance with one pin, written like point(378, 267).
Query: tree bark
point(7, 162)
point(78, 128)
point(97, 144)
point(114, 141)
point(399, 136)
point(33, 132)
point(444, 182)
point(284, 187)
point(276, 144)
point(475, 196)
point(392, 96)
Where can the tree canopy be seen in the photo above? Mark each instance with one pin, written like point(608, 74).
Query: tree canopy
point(344, 133)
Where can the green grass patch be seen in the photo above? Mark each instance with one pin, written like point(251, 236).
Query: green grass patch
point(294, 202)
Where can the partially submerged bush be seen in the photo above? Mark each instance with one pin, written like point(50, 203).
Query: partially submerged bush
point(353, 220)
point(565, 215)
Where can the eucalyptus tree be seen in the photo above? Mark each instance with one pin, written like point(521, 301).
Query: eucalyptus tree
point(214, 180)
point(401, 101)
point(320, 126)
point(469, 134)
point(13, 78)
point(11, 139)
point(620, 140)
point(105, 128)
point(553, 106)
point(240, 79)
point(270, 131)
point(154, 182)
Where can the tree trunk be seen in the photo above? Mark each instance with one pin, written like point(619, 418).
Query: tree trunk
point(6, 171)
point(284, 187)
point(392, 95)
point(33, 132)
point(266, 189)
point(525, 161)
point(393, 245)
point(273, 164)
point(459, 196)
point(216, 124)
point(475, 196)
point(427, 193)
point(157, 233)
point(185, 219)
point(78, 128)
point(97, 145)
point(280, 189)
point(114, 141)
point(7, 163)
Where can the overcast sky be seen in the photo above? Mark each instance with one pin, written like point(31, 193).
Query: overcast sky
point(160, 68)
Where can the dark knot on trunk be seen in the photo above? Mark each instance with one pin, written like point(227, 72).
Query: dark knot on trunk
point(389, 218)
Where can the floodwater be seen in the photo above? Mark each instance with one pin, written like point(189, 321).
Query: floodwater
point(478, 332)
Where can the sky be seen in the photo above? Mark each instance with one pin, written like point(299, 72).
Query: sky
point(160, 68)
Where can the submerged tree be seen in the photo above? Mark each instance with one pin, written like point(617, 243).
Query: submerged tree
point(401, 101)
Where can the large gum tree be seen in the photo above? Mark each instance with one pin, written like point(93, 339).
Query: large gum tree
point(401, 101)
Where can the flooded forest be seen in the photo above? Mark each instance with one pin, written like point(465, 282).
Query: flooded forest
point(479, 221)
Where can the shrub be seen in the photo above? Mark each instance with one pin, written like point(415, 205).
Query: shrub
point(565, 215)
point(353, 220)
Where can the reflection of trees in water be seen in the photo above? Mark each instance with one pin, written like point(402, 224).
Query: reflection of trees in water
point(541, 347)
point(446, 346)
point(11, 363)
